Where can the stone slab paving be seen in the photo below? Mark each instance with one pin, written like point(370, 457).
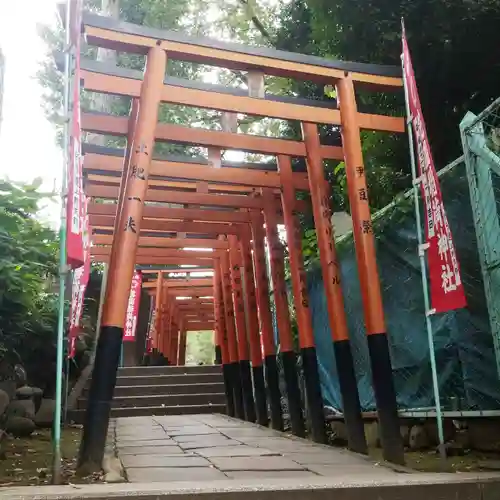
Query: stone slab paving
point(213, 447)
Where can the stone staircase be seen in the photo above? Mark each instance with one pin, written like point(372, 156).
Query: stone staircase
point(163, 390)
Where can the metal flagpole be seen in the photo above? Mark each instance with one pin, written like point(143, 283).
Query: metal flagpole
point(56, 466)
point(422, 247)
point(104, 284)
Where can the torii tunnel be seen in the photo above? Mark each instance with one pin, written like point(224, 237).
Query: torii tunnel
point(156, 211)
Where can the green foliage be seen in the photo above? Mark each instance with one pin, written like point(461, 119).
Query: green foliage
point(28, 267)
point(200, 347)
point(447, 62)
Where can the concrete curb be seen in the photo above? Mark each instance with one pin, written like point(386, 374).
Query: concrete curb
point(114, 471)
point(408, 487)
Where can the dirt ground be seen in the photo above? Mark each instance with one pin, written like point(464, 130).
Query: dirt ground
point(28, 461)
point(430, 461)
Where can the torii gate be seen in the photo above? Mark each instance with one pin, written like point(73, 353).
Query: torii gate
point(229, 204)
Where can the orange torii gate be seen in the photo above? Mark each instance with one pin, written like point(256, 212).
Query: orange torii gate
point(255, 194)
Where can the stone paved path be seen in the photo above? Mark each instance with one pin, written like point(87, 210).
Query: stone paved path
point(212, 447)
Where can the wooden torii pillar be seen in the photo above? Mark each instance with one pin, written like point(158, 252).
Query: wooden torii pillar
point(234, 366)
point(301, 300)
point(253, 331)
point(266, 323)
point(241, 328)
point(287, 351)
point(221, 335)
point(121, 266)
point(347, 117)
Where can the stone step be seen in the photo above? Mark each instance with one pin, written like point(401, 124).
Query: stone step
point(166, 400)
point(188, 378)
point(167, 370)
point(78, 416)
point(146, 390)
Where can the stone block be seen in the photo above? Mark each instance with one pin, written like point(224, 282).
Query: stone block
point(167, 474)
point(432, 431)
point(270, 474)
point(372, 434)
point(44, 417)
point(25, 392)
point(145, 450)
point(195, 438)
point(164, 461)
point(484, 434)
point(255, 463)
point(4, 401)
point(236, 432)
point(418, 438)
point(24, 408)
point(193, 445)
point(192, 430)
point(234, 451)
point(124, 443)
point(339, 432)
point(324, 457)
point(19, 426)
point(348, 471)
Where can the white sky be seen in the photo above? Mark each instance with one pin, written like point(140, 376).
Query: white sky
point(27, 139)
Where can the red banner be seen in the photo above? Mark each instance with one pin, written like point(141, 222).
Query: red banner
point(78, 287)
point(75, 206)
point(133, 307)
point(446, 287)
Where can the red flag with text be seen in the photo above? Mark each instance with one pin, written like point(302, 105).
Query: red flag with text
point(78, 287)
point(133, 308)
point(76, 212)
point(446, 287)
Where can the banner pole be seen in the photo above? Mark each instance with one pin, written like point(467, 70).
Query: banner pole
point(104, 284)
point(56, 464)
point(425, 285)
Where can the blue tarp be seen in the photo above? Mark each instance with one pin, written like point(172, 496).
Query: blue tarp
point(462, 339)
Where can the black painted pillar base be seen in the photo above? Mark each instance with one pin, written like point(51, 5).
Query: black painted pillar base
point(228, 388)
point(239, 408)
point(385, 395)
point(294, 400)
point(218, 355)
point(273, 385)
point(260, 395)
point(314, 397)
point(102, 386)
point(246, 385)
point(350, 397)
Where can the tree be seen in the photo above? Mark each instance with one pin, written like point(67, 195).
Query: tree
point(455, 72)
point(28, 267)
point(200, 347)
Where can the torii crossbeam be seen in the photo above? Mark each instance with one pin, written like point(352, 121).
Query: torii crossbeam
point(146, 209)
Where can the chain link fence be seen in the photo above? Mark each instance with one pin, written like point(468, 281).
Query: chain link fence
point(463, 340)
point(481, 144)
point(466, 341)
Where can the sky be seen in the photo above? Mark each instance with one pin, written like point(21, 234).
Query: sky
point(27, 139)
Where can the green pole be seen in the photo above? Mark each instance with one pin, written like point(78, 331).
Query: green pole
point(56, 466)
point(425, 285)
